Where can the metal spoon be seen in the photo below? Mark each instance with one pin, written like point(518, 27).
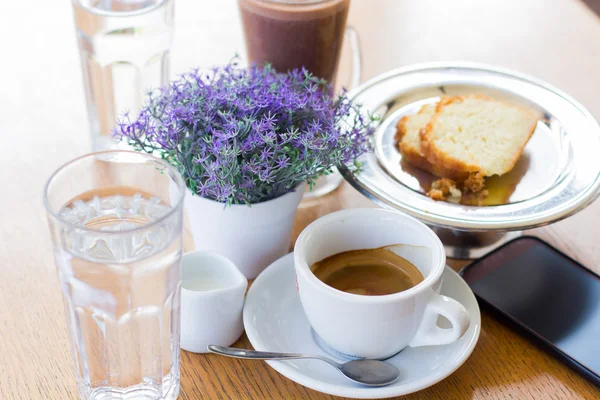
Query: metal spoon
point(365, 372)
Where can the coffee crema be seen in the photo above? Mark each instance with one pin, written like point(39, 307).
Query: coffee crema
point(368, 272)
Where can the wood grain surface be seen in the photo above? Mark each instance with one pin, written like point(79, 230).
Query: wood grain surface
point(43, 124)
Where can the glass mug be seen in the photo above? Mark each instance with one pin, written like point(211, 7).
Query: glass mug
point(292, 34)
point(116, 220)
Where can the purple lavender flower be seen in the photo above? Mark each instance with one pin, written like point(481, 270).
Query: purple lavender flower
point(246, 135)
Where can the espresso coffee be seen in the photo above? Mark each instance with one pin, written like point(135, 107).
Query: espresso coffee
point(295, 33)
point(369, 272)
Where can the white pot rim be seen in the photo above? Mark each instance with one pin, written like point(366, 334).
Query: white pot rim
point(262, 204)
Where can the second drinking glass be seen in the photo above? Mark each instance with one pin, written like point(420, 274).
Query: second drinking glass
point(124, 48)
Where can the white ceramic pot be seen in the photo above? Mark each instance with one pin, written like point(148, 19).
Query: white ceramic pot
point(252, 237)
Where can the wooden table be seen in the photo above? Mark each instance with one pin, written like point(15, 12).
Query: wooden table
point(43, 124)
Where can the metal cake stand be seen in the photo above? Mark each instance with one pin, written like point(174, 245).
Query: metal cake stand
point(557, 175)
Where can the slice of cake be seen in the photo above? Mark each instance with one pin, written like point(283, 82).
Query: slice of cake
point(476, 134)
point(409, 142)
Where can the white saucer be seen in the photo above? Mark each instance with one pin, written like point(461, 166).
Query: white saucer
point(274, 321)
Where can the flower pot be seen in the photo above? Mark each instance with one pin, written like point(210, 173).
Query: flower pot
point(252, 237)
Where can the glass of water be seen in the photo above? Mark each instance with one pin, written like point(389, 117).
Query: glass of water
point(116, 223)
point(124, 47)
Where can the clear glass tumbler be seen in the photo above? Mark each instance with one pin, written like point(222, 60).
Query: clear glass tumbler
point(116, 222)
point(124, 47)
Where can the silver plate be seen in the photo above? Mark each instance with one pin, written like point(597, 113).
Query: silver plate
point(558, 174)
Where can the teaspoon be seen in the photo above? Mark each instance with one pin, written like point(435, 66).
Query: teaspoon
point(365, 372)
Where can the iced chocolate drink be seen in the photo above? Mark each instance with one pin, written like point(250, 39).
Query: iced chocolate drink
point(295, 33)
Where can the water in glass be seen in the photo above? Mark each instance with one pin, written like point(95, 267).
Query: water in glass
point(121, 285)
point(124, 47)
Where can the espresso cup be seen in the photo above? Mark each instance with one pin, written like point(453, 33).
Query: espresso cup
point(376, 327)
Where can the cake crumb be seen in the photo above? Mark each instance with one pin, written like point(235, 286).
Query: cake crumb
point(475, 182)
point(472, 191)
point(444, 189)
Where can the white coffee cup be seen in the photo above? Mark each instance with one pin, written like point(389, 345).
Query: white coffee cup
point(376, 327)
point(212, 299)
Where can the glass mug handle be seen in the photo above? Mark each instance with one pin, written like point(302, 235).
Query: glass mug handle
point(352, 38)
point(429, 333)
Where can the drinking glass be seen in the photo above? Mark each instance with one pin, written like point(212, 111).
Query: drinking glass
point(124, 48)
point(115, 219)
point(292, 34)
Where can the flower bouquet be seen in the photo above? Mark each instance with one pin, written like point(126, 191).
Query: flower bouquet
point(245, 141)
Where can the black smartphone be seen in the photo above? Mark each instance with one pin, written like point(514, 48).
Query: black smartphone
point(551, 297)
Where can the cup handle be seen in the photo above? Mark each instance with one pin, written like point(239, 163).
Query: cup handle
point(430, 334)
point(353, 40)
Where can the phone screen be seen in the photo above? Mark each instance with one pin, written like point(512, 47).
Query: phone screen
point(550, 294)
